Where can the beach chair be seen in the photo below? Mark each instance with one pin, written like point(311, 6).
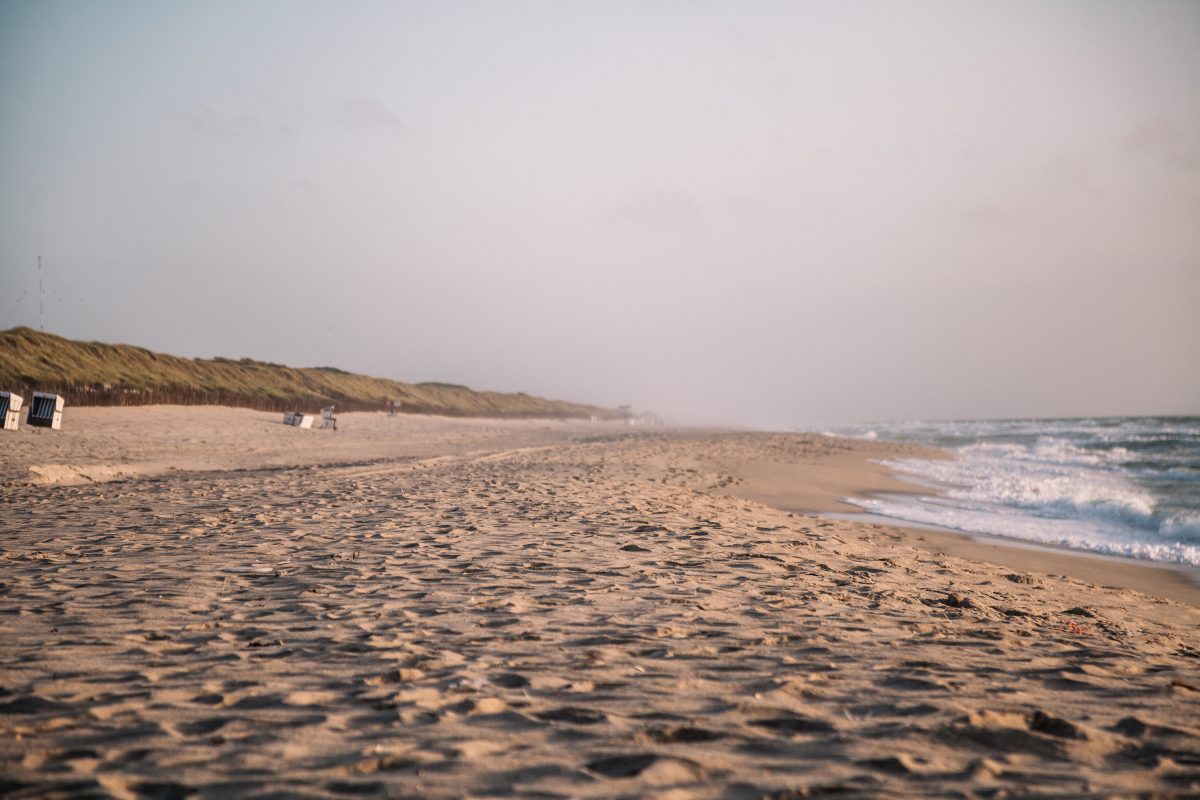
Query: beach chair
point(298, 420)
point(328, 420)
point(45, 410)
point(10, 410)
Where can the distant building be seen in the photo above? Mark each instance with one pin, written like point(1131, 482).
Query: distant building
point(645, 418)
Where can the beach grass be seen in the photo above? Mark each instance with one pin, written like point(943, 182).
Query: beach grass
point(100, 374)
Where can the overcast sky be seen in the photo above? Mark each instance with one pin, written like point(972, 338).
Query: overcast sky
point(779, 214)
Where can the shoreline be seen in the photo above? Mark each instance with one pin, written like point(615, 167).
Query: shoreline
point(1175, 581)
point(819, 488)
point(1180, 582)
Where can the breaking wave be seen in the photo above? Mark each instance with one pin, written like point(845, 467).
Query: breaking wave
point(1126, 486)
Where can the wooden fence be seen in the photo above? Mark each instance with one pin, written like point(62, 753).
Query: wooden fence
point(114, 396)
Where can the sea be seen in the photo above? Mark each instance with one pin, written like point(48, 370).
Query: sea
point(1125, 486)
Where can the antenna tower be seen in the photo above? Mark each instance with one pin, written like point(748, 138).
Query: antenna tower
point(41, 298)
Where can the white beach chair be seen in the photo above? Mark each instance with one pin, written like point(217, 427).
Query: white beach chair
point(328, 420)
point(45, 410)
point(10, 411)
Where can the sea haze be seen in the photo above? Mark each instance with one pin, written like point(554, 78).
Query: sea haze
point(1125, 486)
point(722, 212)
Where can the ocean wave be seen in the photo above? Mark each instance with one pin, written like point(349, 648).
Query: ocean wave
point(1184, 526)
point(1074, 534)
point(981, 476)
point(1124, 486)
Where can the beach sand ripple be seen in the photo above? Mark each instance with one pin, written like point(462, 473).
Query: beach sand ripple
point(560, 620)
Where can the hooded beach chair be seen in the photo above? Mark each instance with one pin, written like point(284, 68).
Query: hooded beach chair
point(45, 410)
point(10, 410)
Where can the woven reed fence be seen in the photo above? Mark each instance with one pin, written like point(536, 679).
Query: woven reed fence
point(116, 396)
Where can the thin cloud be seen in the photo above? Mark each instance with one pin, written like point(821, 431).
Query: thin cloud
point(660, 210)
point(365, 114)
point(1167, 140)
point(256, 126)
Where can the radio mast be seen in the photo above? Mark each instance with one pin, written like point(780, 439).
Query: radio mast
point(41, 301)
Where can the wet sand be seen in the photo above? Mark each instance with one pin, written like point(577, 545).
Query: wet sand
point(445, 608)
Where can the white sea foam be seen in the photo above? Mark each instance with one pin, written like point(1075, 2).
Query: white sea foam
point(998, 475)
point(1075, 534)
point(1121, 486)
point(1183, 526)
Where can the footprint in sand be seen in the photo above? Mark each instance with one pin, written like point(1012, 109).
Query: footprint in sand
point(509, 680)
point(1035, 733)
point(791, 724)
point(911, 685)
point(203, 727)
point(682, 734)
point(652, 768)
point(576, 716)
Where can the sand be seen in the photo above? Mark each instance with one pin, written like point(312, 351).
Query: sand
point(205, 603)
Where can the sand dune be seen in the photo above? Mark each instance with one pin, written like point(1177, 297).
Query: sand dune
point(463, 608)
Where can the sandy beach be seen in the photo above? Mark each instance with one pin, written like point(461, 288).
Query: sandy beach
point(203, 602)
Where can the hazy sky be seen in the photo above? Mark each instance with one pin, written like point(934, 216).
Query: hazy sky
point(787, 213)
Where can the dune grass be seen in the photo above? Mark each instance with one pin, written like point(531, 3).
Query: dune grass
point(98, 374)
